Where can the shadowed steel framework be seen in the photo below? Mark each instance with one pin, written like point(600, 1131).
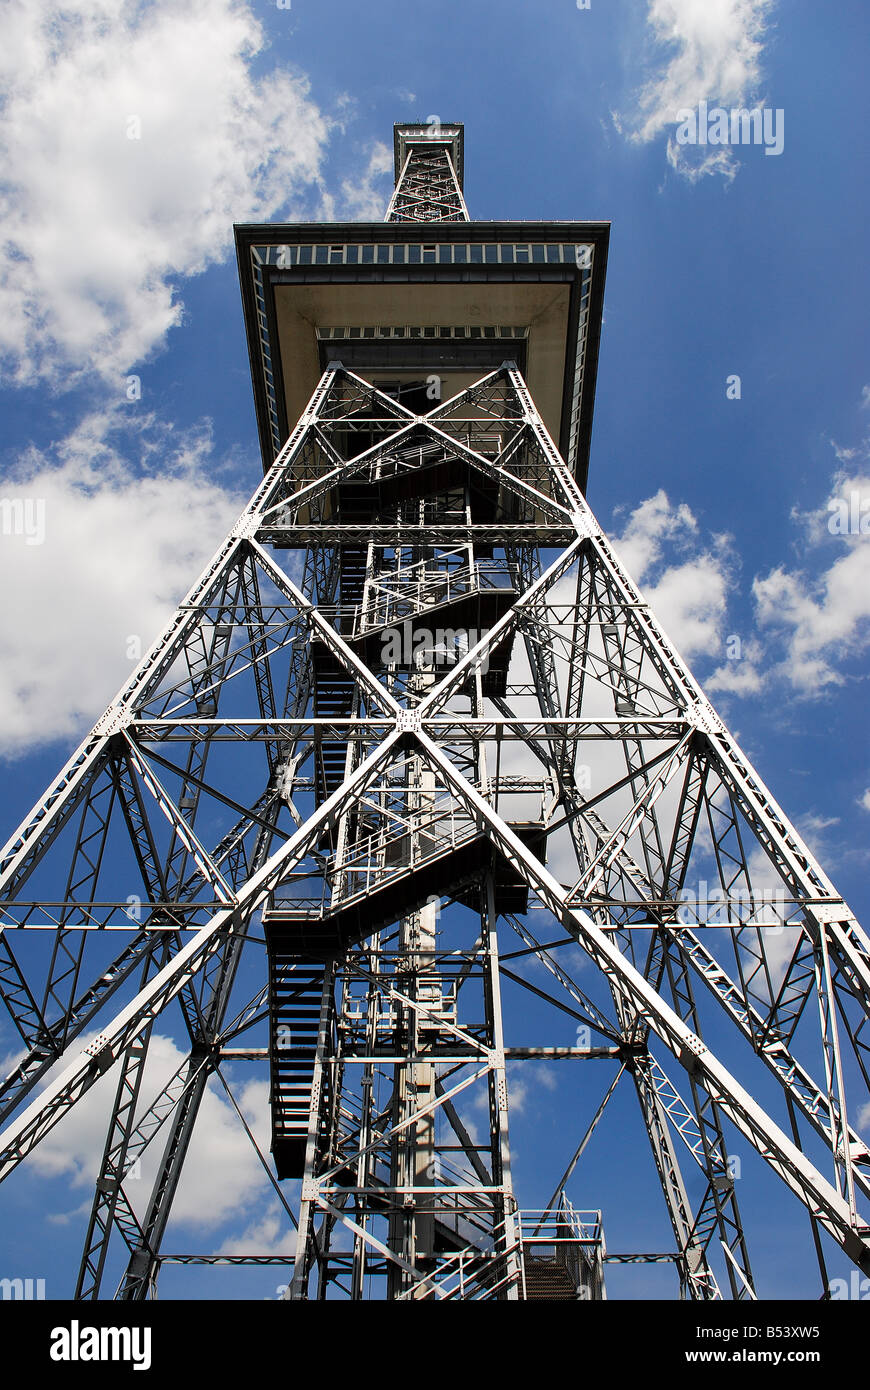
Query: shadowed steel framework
point(413, 736)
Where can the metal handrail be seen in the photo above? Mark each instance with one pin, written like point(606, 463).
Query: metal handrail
point(404, 595)
point(454, 1267)
point(561, 1224)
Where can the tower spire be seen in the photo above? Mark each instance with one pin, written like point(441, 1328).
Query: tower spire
point(428, 168)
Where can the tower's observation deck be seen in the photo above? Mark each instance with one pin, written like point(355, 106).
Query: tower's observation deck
point(425, 293)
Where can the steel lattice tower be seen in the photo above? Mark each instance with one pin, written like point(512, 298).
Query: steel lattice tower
point(415, 706)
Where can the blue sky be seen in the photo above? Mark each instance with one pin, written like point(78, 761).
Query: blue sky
point(117, 262)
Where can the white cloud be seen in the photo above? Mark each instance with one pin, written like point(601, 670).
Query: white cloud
point(705, 50)
point(809, 621)
point(865, 800)
point(822, 619)
point(688, 598)
point(650, 525)
point(741, 675)
point(222, 1175)
point(694, 162)
point(813, 829)
point(98, 226)
point(122, 545)
point(690, 602)
point(525, 1079)
point(815, 824)
point(363, 200)
point(267, 1234)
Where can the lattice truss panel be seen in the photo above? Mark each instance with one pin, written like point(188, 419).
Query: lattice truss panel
point(428, 189)
point(413, 717)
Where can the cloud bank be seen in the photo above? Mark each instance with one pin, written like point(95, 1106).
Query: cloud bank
point(132, 137)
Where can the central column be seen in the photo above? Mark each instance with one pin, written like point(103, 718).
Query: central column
point(413, 1157)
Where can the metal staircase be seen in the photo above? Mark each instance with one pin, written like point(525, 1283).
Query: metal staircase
point(563, 1255)
point(295, 1006)
point(384, 874)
